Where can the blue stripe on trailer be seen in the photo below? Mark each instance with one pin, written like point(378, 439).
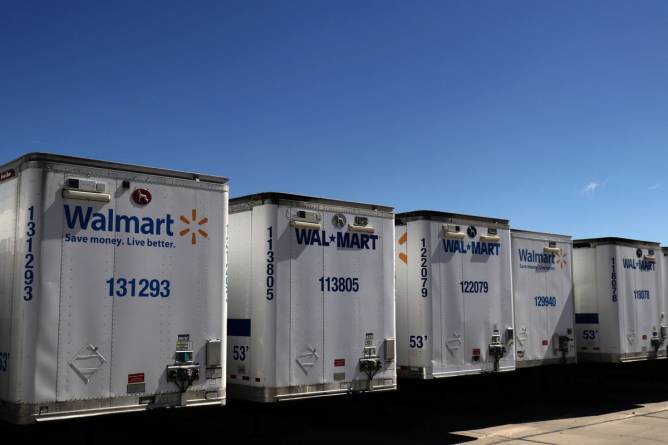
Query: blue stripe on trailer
point(586, 318)
point(238, 327)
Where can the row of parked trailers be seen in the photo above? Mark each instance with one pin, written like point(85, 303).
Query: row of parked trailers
point(124, 288)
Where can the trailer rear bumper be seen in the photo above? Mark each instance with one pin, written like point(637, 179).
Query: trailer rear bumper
point(269, 394)
point(546, 362)
point(591, 357)
point(420, 373)
point(22, 413)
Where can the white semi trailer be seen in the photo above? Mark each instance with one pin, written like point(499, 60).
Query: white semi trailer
point(454, 295)
point(311, 297)
point(543, 298)
point(664, 288)
point(619, 304)
point(112, 293)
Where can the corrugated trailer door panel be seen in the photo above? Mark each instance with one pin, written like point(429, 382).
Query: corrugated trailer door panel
point(456, 355)
point(357, 305)
point(506, 315)
point(479, 307)
point(630, 334)
point(240, 326)
point(143, 338)
point(647, 299)
point(543, 306)
point(423, 317)
point(554, 306)
point(265, 262)
point(163, 303)
point(46, 354)
point(664, 289)
point(283, 298)
point(388, 260)
point(8, 210)
point(306, 305)
point(560, 319)
point(27, 292)
point(494, 268)
point(531, 321)
point(485, 293)
point(402, 303)
point(585, 279)
point(85, 328)
point(611, 324)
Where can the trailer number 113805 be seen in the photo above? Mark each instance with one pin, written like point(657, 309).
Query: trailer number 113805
point(339, 284)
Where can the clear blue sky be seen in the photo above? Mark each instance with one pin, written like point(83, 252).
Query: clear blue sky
point(553, 114)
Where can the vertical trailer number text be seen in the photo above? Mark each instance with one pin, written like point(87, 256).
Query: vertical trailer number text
point(424, 270)
point(4, 358)
point(270, 264)
point(29, 266)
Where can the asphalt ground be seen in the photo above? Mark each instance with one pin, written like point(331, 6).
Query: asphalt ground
point(576, 403)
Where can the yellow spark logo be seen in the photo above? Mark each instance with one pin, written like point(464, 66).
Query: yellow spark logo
point(402, 256)
point(195, 230)
point(561, 259)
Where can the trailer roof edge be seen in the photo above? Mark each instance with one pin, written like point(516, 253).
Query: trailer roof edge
point(275, 197)
point(87, 162)
point(446, 216)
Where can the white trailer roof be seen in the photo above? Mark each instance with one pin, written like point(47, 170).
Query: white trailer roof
point(546, 234)
point(402, 218)
point(276, 198)
point(54, 158)
point(592, 242)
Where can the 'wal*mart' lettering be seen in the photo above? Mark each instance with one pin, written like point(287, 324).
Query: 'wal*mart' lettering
point(348, 240)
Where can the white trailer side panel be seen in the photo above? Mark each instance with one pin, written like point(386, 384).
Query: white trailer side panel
point(307, 297)
point(543, 298)
point(107, 286)
point(457, 296)
point(619, 300)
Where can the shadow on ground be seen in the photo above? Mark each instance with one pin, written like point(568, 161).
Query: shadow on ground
point(419, 412)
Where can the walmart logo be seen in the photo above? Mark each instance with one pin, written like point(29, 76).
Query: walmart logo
point(561, 260)
point(194, 227)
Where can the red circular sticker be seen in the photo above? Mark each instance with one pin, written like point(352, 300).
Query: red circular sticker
point(141, 196)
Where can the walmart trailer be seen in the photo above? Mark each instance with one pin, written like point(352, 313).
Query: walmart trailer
point(664, 284)
point(618, 300)
point(543, 298)
point(112, 292)
point(311, 297)
point(454, 295)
